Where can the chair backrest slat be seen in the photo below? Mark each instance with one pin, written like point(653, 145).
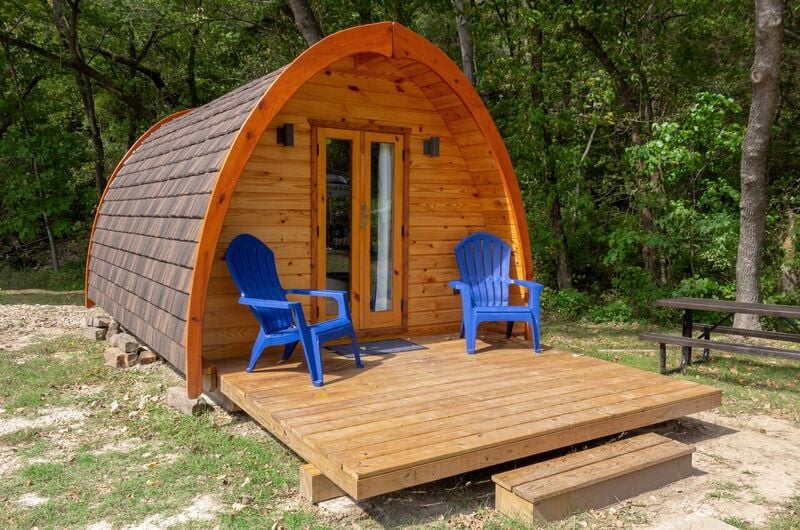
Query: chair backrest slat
point(252, 267)
point(484, 261)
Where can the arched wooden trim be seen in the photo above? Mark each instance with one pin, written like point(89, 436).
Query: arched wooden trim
point(385, 38)
point(409, 45)
point(376, 38)
point(87, 302)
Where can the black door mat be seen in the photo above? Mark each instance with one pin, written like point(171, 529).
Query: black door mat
point(378, 347)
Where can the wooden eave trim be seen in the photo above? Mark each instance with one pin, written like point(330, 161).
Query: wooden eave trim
point(376, 38)
point(384, 38)
point(87, 302)
point(409, 45)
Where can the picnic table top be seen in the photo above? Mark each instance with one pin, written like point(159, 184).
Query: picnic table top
point(706, 304)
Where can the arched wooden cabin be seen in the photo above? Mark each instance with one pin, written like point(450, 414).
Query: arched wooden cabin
point(373, 115)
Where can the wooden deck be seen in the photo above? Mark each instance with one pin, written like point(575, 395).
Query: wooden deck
point(415, 417)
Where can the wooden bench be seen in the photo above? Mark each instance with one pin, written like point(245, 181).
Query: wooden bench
point(705, 344)
point(592, 478)
point(755, 333)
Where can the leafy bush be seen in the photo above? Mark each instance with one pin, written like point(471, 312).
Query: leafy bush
point(566, 303)
point(615, 311)
point(705, 288)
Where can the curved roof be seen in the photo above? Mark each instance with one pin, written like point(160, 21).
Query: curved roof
point(148, 223)
point(158, 223)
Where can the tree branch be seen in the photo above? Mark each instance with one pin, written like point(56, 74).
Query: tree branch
point(78, 66)
point(153, 75)
point(6, 122)
point(592, 44)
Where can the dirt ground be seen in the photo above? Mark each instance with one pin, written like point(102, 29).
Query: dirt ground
point(746, 467)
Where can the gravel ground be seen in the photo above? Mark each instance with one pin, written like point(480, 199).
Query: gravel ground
point(21, 325)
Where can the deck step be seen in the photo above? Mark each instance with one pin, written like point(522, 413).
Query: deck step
point(592, 478)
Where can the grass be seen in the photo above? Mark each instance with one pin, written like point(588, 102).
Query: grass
point(44, 298)
point(754, 385)
point(69, 278)
point(131, 457)
point(170, 460)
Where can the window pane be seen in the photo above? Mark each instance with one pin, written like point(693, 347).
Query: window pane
point(339, 167)
point(381, 221)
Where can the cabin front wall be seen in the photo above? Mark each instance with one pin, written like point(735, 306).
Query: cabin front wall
point(449, 196)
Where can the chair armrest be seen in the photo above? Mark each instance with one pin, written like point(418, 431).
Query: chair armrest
point(339, 296)
point(295, 307)
point(328, 293)
point(273, 304)
point(534, 290)
point(464, 289)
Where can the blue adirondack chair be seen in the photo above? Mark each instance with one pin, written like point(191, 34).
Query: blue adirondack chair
point(252, 266)
point(484, 261)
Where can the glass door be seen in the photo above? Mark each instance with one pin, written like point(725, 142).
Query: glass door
point(359, 211)
point(338, 163)
point(381, 225)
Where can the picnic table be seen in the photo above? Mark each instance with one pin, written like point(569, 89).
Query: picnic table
point(687, 341)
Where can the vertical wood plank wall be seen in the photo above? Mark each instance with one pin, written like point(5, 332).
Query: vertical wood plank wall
point(449, 196)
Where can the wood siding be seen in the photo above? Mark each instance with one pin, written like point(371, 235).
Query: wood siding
point(459, 192)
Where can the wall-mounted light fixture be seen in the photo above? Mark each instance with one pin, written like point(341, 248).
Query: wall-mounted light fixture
point(286, 135)
point(430, 146)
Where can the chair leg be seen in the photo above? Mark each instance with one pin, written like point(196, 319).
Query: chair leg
point(314, 360)
point(461, 334)
point(472, 332)
point(311, 351)
point(289, 349)
point(356, 349)
point(536, 335)
point(258, 348)
point(509, 328)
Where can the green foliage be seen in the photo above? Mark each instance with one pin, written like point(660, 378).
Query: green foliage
point(617, 311)
point(624, 123)
point(566, 303)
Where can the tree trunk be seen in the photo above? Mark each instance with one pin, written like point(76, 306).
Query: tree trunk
point(68, 32)
point(23, 94)
point(191, 78)
point(789, 279)
point(765, 76)
point(465, 42)
point(307, 24)
point(631, 98)
point(563, 267)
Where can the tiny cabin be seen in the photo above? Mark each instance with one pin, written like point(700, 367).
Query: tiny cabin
point(361, 164)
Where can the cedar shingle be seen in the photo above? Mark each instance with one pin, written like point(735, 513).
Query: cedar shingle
point(144, 243)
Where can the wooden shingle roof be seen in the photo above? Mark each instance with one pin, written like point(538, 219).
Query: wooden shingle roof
point(143, 248)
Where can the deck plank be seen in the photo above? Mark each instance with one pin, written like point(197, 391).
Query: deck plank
point(418, 416)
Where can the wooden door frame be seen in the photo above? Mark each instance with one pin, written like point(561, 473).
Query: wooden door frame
point(317, 202)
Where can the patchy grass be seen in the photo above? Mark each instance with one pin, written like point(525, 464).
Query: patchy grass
point(789, 519)
point(130, 458)
point(42, 298)
point(70, 277)
point(88, 474)
point(755, 385)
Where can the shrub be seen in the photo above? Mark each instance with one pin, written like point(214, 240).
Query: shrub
point(615, 311)
point(566, 303)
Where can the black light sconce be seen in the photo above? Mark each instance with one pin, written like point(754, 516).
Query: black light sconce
point(286, 135)
point(430, 146)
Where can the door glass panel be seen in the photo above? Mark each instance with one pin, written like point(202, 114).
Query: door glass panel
point(381, 222)
point(339, 177)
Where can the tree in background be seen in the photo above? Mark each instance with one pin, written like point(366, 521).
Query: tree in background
point(623, 120)
point(765, 75)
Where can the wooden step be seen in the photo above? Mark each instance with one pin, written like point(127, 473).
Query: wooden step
point(592, 478)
